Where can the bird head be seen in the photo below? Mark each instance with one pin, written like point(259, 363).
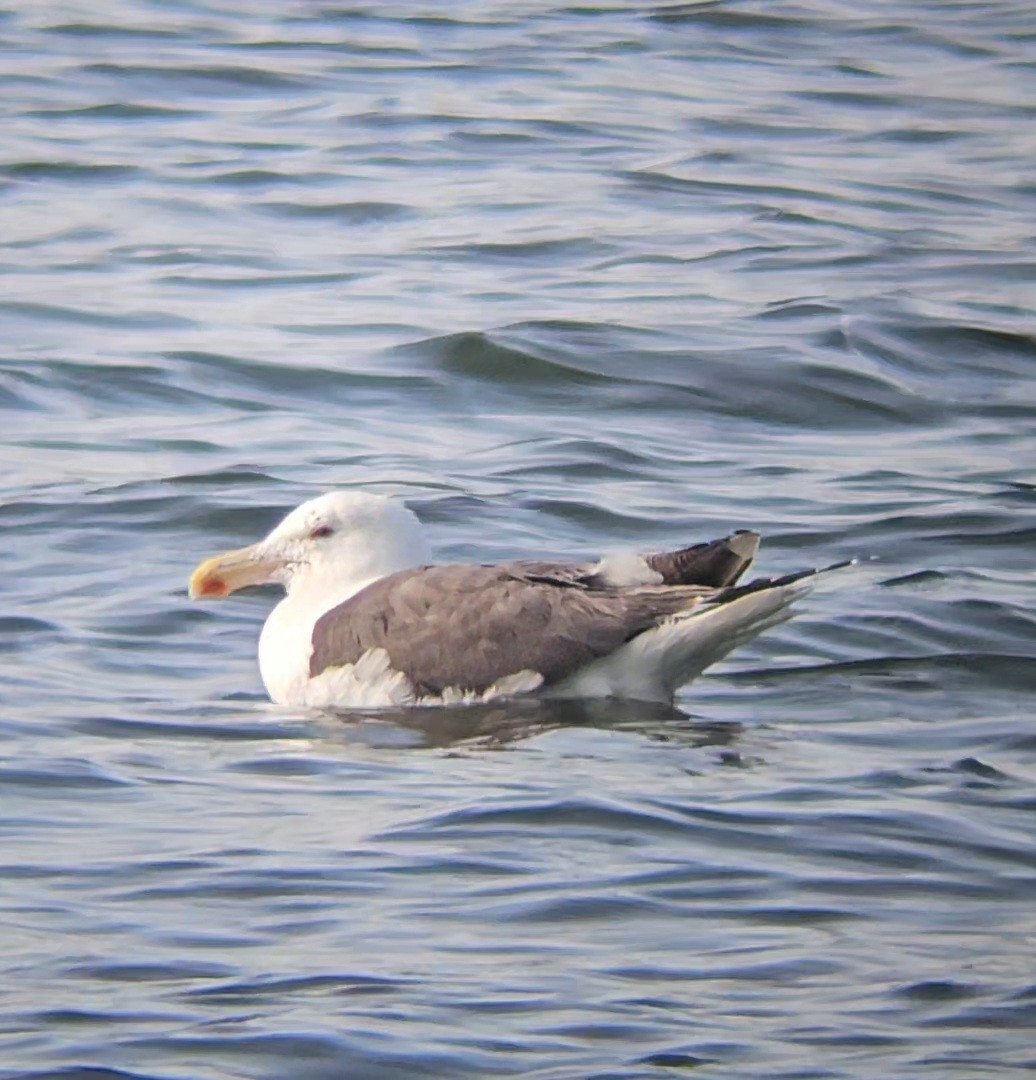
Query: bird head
point(338, 538)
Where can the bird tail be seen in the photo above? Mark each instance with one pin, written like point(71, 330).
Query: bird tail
point(657, 662)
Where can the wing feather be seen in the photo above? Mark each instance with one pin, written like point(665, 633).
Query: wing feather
point(466, 627)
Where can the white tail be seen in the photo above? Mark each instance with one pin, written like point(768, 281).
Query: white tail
point(657, 662)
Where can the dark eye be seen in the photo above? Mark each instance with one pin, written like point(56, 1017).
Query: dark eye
point(320, 532)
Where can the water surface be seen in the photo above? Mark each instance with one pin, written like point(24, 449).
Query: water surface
point(569, 279)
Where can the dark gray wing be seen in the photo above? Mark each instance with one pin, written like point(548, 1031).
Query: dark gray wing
point(468, 626)
point(716, 563)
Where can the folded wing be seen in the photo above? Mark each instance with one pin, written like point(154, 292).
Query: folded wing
point(467, 627)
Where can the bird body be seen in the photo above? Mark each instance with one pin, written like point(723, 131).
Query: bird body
point(367, 620)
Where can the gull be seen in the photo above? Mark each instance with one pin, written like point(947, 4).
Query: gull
point(369, 620)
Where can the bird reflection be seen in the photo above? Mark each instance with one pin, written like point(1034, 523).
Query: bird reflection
point(506, 723)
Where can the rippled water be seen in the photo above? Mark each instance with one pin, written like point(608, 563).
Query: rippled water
point(569, 279)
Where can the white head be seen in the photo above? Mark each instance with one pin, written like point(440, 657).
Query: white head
point(335, 540)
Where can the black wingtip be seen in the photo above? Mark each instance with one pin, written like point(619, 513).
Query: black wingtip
point(759, 584)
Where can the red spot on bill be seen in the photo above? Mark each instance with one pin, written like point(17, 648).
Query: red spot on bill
point(214, 586)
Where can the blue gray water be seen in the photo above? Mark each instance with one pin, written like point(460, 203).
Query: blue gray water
point(568, 279)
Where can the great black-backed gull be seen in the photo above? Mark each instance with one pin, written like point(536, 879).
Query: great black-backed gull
point(369, 621)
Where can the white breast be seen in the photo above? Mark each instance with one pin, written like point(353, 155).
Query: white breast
point(285, 646)
point(286, 643)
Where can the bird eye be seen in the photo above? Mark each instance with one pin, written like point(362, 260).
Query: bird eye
point(320, 532)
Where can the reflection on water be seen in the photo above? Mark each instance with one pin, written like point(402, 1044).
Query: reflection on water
point(500, 725)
